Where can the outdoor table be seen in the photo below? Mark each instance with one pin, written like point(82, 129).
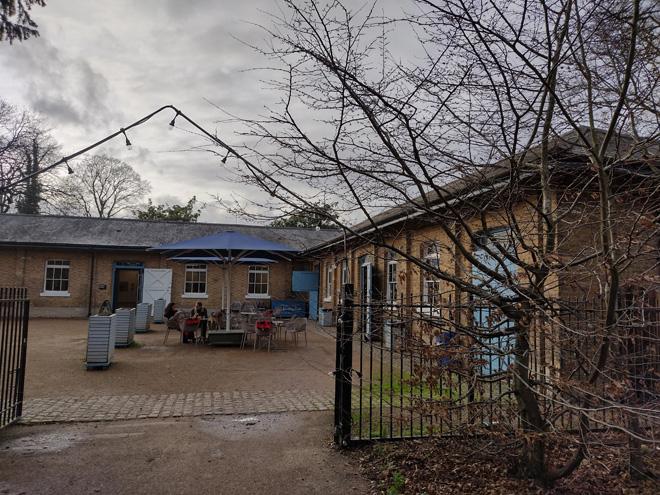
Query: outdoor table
point(278, 327)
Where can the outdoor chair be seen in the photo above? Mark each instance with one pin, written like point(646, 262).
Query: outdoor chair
point(172, 324)
point(248, 329)
point(299, 325)
point(234, 322)
point(199, 335)
point(248, 307)
point(263, 328)
point(235, 307)
point(191, 326)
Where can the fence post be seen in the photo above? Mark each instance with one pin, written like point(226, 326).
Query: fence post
point(343, 370)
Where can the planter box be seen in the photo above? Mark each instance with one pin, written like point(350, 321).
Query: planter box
point(101, 341)
point(124, 327)
point(142, 317)
point(159, 309)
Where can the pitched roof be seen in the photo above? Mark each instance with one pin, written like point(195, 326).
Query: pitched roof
point(134, 234)
point(568, 148)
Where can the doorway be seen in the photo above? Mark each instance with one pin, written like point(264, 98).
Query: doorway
point(127, 284)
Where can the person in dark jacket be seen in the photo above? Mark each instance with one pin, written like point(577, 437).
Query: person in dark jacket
point(199, 311)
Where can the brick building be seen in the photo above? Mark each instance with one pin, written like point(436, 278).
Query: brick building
point(392, 260)
point(71, 265)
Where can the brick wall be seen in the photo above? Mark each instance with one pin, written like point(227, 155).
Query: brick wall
point(90, 270)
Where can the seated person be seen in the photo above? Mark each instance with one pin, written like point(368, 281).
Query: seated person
point(172, 315)
point(199, 311)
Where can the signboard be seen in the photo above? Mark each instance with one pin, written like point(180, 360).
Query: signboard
point(290, 307)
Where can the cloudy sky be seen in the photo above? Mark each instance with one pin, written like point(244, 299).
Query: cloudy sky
point(99, 66)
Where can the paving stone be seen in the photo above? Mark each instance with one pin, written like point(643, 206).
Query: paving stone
point(90, 409)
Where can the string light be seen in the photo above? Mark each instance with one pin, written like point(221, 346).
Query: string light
point(128, 143)
point(215, 139)
point(172, 123)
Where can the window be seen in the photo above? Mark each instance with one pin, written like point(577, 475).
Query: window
point(392, 294)
point(258, 281)
point(328, 281)
point(56, 280)
point(431, 287)
point(497, 354)
point(195, 280)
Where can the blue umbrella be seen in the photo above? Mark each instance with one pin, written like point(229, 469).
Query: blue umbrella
point(213, 260)
point(227, 248)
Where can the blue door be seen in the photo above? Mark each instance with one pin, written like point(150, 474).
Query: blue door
point(308, 282)
point(498, 351)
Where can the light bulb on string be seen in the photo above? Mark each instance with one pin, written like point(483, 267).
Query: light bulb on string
point(173, 120)
point(129, 146)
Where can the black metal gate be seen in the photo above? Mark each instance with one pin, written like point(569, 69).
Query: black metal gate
point(14, 314)
point(394, 382)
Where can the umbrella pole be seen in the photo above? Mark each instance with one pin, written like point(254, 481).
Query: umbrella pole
point(224, 281)
point(229, 293)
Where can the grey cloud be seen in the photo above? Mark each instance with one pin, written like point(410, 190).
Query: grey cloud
point(68, 92)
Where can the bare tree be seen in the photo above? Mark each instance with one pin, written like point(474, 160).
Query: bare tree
point(25, 145)
point(516, 132)
point(101, 186)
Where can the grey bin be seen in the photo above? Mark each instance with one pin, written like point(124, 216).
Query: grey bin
point(159, 309)
point(325, 317)
point(142, 317)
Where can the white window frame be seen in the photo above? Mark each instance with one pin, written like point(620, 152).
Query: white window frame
point(57, 265)
point(191, 269)
point(392, 280)
point(431, 297)
point(328, 281)
point(253, 270)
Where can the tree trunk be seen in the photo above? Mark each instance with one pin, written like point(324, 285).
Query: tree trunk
point(533, 454)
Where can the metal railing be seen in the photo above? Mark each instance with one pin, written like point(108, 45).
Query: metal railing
point(416, 371)
point(14, 315)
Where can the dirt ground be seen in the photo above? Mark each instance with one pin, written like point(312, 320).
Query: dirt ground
point(288, 453)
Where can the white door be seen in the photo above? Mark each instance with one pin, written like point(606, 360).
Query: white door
point(366, 274)
point(157, 285)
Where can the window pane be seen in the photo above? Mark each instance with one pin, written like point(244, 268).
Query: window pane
point(56, 277)
point(195, 279)
point(258, 280)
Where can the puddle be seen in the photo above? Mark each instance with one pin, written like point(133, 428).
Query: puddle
point(40, 443)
